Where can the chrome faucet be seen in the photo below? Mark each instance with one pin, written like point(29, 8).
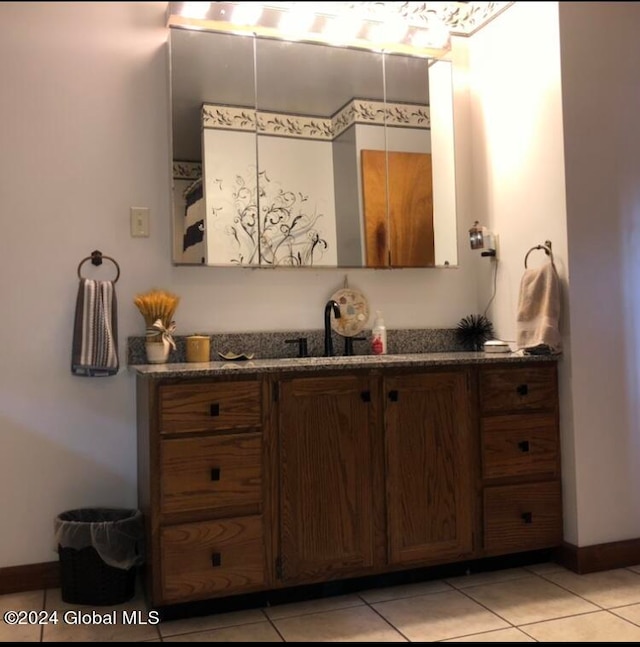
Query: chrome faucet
point(328, 341)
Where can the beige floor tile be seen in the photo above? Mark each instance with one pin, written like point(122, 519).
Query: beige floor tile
point(27, 601)
point(403, 591)
point(512, 635)
point(356, 624)
point(257, 632)
point(488, 577)
point(545, 567)
point(635, 568)
point(83, 623)
point(529, 599)
point(607, 589)
point(601, 626)
point(313, 606)
point(631, 613)
point(214, 621)
point(438, 616)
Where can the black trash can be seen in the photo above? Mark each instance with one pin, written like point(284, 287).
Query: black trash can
point(100, 550)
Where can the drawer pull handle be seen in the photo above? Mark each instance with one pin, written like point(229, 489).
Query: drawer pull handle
point(527, 517)
point(524, 445)
point(522, 389)
point(216, 559)
point(365, 396)
point(215, 473)
point(215, 409)
point(393, 396)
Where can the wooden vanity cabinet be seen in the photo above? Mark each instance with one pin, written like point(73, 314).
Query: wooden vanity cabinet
point(429, 467)
point(327, 462)
point(375, 473)
point(201, 487)
point(520, 458)
point(262, 481)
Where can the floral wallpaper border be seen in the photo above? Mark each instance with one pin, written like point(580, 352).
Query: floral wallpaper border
point(187, 170)
point(357, 111)
point(461, 18)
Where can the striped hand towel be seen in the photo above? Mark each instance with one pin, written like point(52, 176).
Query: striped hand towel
point(95, 330)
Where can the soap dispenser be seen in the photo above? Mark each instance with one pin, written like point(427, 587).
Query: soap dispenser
point(379, 335)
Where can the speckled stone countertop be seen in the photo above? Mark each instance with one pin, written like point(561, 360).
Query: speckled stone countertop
point(276, 344)
point(315, 364)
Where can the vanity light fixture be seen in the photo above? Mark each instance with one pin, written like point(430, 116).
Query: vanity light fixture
point(391, 31)
point(246, 13)
point(392, 27)
point(195, 9)
point(296, 21)
point(341, 31)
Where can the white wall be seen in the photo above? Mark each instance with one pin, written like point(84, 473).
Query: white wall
point(601, 103)
point(518, 166)
point(300, 167)
point(84, 130)
point(556, 157)
point(229, 170)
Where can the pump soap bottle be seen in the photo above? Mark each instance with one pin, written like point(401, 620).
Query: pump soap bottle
point(379, 335)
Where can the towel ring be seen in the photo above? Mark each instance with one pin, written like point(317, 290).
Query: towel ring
point(96, 258)
point(547, 250)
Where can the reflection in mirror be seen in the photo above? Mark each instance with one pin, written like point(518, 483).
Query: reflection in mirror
point(408, 163)
point(296, 195)
point(308, 142)
point(206, 65)
point(396, 171)
point(229, 152)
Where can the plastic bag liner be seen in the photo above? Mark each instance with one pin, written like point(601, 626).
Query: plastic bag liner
point(114, 533)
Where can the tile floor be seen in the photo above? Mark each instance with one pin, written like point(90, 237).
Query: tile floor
point(539, 603)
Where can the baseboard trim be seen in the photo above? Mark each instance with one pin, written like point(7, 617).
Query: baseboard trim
point(30, 577)
point(600, 557)
point(585, 559)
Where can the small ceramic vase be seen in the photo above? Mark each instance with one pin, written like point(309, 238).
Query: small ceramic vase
point(157, 353)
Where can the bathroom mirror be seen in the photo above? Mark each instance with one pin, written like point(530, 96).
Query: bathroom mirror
point(304, 160)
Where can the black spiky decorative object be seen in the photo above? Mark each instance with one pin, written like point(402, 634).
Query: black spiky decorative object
point(473, 331)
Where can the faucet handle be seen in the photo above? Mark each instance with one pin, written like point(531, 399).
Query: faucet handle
point(302, 345)
point(348, 344)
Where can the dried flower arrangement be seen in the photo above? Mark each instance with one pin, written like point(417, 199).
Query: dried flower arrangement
point(158, 308)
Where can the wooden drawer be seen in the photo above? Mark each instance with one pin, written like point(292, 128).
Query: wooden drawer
point(522, 517)
point(518, 389)
point(200, 560)
point(520, 445)
point(209, 407)
point(211, 472)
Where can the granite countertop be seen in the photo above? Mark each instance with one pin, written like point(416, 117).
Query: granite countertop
point(255, 366)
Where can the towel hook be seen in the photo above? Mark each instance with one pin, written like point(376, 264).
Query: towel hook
point(96, 258)
point(547, 250)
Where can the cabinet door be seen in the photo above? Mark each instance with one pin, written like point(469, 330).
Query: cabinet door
point(326, 473)
point(429, 485)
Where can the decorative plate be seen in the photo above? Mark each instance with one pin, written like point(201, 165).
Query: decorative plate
point(354, 312)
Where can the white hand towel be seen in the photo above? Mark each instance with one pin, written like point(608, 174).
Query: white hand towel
point(538, 320)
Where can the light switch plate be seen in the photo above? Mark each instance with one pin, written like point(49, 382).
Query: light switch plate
point(139, 217)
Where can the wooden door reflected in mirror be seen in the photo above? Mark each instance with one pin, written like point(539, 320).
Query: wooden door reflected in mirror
point(398, 209)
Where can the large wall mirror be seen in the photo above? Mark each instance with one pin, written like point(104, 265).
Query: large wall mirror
point(293, 154)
